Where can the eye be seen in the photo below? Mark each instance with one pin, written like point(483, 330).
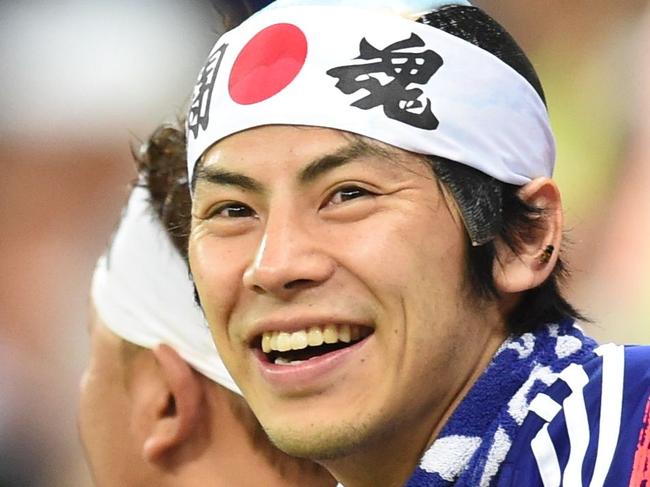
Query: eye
point(232, 210)
point(348, 193)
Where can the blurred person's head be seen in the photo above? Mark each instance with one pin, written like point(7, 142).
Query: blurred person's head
point(157, 405)
point(373, 213)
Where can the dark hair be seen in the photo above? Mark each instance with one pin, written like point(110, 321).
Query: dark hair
point(162, 169)
point(490, 209)
point(233, 13)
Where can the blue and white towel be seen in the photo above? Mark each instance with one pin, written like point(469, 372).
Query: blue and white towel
point(478, 436)
point(551, 410)
point(591, 428)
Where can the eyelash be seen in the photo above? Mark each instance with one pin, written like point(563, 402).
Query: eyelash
point(358, 190)
point(233, 205)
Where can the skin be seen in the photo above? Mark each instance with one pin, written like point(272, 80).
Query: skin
point(146, 418)
point(367, 240)
point(103, 394)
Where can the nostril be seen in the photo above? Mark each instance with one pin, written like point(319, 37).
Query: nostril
point(294, 285)
point(258, 289)
point(299, 283)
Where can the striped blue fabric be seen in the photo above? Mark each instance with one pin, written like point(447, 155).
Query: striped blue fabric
point(551, 410)
point(588, 428)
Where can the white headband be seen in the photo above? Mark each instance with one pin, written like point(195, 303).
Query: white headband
point(377, 74)
point(142, 292)
point(410, 9)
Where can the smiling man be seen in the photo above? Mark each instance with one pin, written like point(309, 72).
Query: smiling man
point(331, 325)
point(375, 243)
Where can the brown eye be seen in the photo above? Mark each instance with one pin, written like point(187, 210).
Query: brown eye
point(348, 193)
point(233, 210)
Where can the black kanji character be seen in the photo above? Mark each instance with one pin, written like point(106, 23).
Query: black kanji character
point(199, 114)
point(400, 102)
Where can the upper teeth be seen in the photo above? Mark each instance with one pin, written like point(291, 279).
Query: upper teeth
point(281, 341)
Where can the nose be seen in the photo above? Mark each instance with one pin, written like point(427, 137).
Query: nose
point(288, 260)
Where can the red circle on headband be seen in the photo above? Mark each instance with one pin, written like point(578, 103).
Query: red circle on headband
point(267, 63)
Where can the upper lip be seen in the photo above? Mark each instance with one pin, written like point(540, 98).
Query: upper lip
point(290, 324)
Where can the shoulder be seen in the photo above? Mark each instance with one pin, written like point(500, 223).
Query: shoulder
point(591, 427)
point(637, 361)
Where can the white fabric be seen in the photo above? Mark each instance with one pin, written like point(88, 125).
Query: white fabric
point(411, 9)
point(142, 292)
point(490, 117)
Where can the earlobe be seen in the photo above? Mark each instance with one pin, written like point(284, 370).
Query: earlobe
point(537, 242)
point(177, 413)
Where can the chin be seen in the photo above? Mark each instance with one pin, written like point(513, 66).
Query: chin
point(326, 442)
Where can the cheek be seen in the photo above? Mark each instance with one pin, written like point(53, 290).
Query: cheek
point(91, 415)
point(435, 297)
point(213, 267)
point(217, 267)
point(88, 393)
point(417, 252)
point(419, 283)
point(436, 245)
point(83, 406)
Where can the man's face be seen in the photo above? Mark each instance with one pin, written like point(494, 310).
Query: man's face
point(301, 235)
point(104, 410)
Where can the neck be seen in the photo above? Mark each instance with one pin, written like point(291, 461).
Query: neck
point(241, 454)
point(389, 461)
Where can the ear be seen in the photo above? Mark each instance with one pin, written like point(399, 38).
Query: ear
point(177, 409)
point(539, 247)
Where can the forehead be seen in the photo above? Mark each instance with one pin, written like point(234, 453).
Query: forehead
point(300, 142)
point(292, 148)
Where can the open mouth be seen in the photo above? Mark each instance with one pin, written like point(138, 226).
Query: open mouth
point(294, 348)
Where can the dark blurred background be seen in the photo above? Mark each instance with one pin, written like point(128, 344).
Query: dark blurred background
point(84, 80)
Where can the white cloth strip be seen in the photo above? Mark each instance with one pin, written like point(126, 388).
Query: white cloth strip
point(610, 410)
point(142, 292)
point(575, 413)
point(498, 452)
point(376, 74)
point(545, 455)
point(448, 456)
point(545, 407)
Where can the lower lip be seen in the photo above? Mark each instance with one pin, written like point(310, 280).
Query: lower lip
point(309, 372)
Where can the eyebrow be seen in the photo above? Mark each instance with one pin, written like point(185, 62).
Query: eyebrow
point(328, 162)
point(315, 169)
point(216, 175)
